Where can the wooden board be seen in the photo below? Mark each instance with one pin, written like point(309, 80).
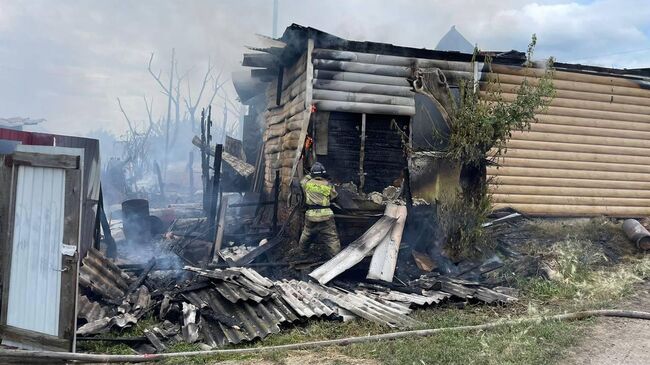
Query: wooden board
point(45, 160)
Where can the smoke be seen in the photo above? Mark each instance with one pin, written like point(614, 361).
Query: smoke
point(97, 51)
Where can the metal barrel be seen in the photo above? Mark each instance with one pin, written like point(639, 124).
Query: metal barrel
point(637, 233)
point(136, 223)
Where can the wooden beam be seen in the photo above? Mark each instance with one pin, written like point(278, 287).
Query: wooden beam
point(321, 130)
point(252, 255)
point(260, 60)
point(70, 264)
point(216, 182)
point(20, 335)
point(362, 153)
point(278, 92)
point(221, 225)
point(44, 160)
point(276, 201)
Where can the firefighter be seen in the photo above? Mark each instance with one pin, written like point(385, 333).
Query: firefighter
point(319, 219)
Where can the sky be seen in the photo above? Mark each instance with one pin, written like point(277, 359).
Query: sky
point(69, 60)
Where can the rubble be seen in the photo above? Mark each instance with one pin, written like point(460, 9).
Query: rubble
point(217, 307)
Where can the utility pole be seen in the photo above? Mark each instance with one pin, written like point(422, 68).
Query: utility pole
point(275, 18)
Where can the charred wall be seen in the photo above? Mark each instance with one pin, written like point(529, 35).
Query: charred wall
point(384, 157)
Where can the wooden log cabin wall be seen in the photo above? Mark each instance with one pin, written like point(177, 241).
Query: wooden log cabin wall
point(285, 117)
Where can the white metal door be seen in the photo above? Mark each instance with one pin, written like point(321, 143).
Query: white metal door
point(35, 278)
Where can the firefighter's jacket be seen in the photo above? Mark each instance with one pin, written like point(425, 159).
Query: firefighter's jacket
point(318, 194)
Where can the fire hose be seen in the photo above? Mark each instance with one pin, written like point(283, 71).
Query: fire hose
point(102, 358)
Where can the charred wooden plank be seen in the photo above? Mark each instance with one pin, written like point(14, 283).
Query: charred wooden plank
point(136, 284)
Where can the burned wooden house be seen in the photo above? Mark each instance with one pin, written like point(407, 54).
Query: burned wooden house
point(351, 105)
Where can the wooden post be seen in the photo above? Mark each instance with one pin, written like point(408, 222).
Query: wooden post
point(208, 142)
point(161, 184)
point(205, 170)
point(111, 249)
point(276, 200)
point(221, 225)
point(215, 190)
point(362, 153)
point(190, 168)
point(278, 91)
point(406, 189)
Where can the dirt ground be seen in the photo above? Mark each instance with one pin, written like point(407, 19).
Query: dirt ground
point(308, 358)
point(617, 340)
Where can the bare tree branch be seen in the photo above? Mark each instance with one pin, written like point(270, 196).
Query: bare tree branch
point(216, 86)
point(227, 99)
point(126, 116)
point(157, 77)
point(234, 108)
point(206, 77)
point(149, 108)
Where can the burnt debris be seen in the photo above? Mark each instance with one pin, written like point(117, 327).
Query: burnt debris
point(217, 307)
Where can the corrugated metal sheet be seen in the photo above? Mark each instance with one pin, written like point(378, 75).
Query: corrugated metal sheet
point(360, 305)
point(35, 279)
point(238, 284)
point(245, 321)
point(29, 138)
point(426, 298)
point(234, 316)
point(460, 288)
point(102, 276)
point(89, 310)
point(241, 306)
point(304, 302)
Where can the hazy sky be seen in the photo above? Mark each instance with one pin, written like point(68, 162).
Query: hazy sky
point(67, 61)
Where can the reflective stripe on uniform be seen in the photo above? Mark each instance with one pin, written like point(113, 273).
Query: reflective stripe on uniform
point(324, 212)
point(317, 193)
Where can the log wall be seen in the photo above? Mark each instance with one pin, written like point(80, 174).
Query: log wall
point(284, 122)
point(361, 83)
point(588, 155)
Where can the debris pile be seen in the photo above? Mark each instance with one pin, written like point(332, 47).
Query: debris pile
point(229, 306)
